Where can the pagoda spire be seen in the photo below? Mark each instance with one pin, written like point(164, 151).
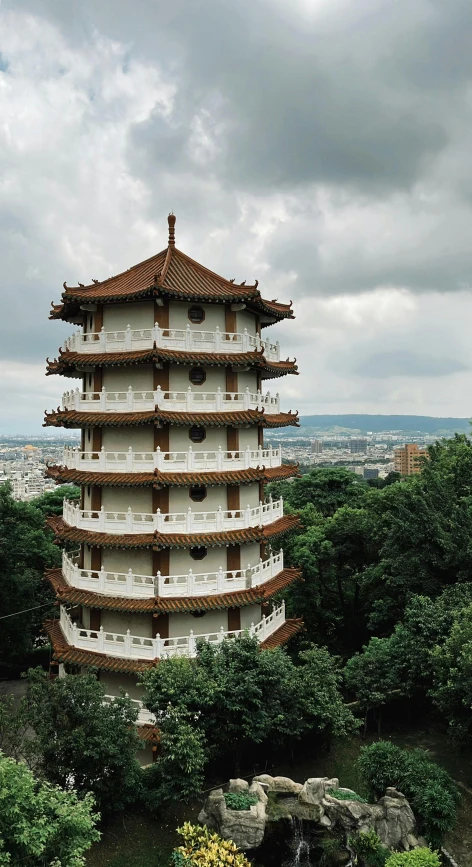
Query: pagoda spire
point(171, 224)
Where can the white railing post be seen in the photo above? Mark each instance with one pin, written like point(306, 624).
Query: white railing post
point(158, 584)
point(219, 518)
point(221, 635)
point(247, 398)
point(220, 580)
point(101, 579)
point(102, 459)
point(127, 343)
point(102, 340)
point(217, 339)
point(158, 521)
point(158, 397)
point(189, 402)
point(157, 457)
point(129, 520)
point(277, 401)
point(277, 350)
point(129, 581)
point(188, 337)
point(190, 459)
point(247, 458)
point(103, 399)
point(77, 399)
point(219, 458)
point(156, 646)
point(188, 521)
point(129, 399)
point(192, 644)
point(218, 399)
point(129, 459)
point(101, 518)
point(127, 643)
point(245, 340)
point(247, 517)
point(260, 456)
point(190, 583)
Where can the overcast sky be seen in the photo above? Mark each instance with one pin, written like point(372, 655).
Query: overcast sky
point(323, 147)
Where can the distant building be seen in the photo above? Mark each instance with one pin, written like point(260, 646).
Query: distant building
point(371, 473)
point(316, 447)
point(408, 459)
point(358, 446)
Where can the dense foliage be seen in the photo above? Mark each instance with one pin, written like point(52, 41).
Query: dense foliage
point(41, 824)
point(203, 848)
point(240, 800)
point(236, 696)
point(51, 502)
point(26, 548)
point(79, 741)
point(369, 849)
point(430, 790)
point(421, 857)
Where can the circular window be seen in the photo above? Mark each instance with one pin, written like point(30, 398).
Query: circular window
point(198, 553)
point(197, 493)
point(196, 314)
point(198, 613)
point(197, 434)
point(197, 375)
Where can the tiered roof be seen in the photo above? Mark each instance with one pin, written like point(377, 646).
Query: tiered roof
point(175, 604)
point(168, 274)
point(72, 419)
point(70, 363)
point(156, 540)
point(63, 475)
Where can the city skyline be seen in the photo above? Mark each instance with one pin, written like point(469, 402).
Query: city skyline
point(320, 148)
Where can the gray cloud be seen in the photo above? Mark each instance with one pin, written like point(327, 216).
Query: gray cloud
point(400, 363)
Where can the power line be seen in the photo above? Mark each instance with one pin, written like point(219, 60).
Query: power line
point(25, 610)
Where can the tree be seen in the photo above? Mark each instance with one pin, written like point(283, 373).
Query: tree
point(326, 489)
point(452, 681)
point(25, 550)
point(432, 793)
point(41, 824)
point(373, 675)
point(238, 695)
point(80, 742)
point(421, 857)
point(178, 773)
point(51, 502)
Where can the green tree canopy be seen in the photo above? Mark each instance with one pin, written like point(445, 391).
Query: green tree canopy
point(79, 741)
point(51, 502)
point(26, 548)
point(40, 824)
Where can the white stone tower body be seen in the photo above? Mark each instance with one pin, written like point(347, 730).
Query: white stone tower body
point(174, 539)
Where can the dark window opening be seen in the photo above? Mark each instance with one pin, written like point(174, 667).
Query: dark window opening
point(197, 434)
point(196, 314)
point(197, 493)
point(198, 614)
point(198, 553)
point(197, 376)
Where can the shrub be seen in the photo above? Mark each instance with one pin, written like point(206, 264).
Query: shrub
point(240, 800)
point(203, 848)
point(430, 790)
point(369, 849)
point(342, 795)
point(414, 858)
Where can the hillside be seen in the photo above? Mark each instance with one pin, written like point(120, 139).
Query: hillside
point(376, 423)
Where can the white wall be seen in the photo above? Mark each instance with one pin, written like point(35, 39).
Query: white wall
point(179, 378)
point(137, 314)
point(244, 319)
point(181, 562)
point(120, 499)
point(248, 437)
point(115, 681)
point(121, 621)
point(179, 500)
point(139, 437)
point(214, 316)
point(137, 559)
point(179, 440)
point(250, 614)
point(248, 379)
point(212, 621)
point(140, 378)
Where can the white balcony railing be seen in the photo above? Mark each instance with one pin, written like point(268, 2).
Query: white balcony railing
point(130, 646)
point(189, 339)
point(191, 584)
point(108, 521)
point(129, 461)
point(145, 717)
point(173, 401)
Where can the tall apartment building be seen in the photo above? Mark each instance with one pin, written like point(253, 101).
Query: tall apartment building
point(316, 447)
point(358, 446)
point(175, 541)
point(407, 459)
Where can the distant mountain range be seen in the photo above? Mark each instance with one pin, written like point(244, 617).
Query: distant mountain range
point(376, 423)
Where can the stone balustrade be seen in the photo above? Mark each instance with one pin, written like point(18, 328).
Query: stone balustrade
point(131, 585)
point(182, 339)
point(129, 461)
point(111, 521)
point(133, 400)
point(138, 647)
point(145, 717)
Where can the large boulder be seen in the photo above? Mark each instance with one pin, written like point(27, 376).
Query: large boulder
point(280, 785)
point(245, 827)
point(396, 827)
point(313, 790)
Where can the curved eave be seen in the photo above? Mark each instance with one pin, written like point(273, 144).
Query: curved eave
point(64, 533)
point(73, 419)
point(63, 475)
point(177, 604)
point(283, 634)
point(64, 652)
point(72, 363)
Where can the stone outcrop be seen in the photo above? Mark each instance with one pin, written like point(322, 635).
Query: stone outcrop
point(391, 817)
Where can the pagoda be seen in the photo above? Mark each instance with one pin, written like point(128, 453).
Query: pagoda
point(174, 538)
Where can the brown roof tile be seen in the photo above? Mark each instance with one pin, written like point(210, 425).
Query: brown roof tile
point(70, 361)
point(171, 540)
point(283, 634)
point(73, 419)
point(64, 652)
point(172, 274)
point(234, 477)
point(175, 604)
point(148, 733)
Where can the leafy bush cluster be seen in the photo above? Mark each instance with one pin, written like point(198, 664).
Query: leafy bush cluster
point(343, 795)
point(430, 790)
point(203, 848)
point(369, 849)
point(422, 857)
point(240, 800)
